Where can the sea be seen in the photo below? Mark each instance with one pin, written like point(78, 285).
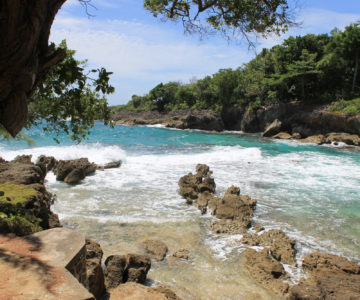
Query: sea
point(311, 192)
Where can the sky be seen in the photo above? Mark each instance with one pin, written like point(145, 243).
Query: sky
point(143, 51)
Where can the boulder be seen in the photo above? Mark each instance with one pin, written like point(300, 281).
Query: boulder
point(156, 249)
point(273, 128)
point(47, 162)
point(65, 168)
point(350, 139)
point(75, 176)
point(329, 277)
point(94, 271)
point(193, 185)
point(115, 271)
point(282, 248)
point(266, 271)
point(234, 206)
point(282, 136)
point(137, 267)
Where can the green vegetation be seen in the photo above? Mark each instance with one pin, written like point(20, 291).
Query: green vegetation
point(70, 100)
point(314, 69)
point(350, 107)
point(14, 217)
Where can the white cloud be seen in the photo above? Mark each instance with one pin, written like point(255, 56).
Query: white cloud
point(142, 55)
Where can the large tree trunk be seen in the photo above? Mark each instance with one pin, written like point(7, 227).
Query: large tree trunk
point(25, 55)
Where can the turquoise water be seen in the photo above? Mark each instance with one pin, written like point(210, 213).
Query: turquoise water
point(311, 192)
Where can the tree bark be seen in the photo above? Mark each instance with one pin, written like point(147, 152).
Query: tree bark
point(25, 55)
point(355, 72)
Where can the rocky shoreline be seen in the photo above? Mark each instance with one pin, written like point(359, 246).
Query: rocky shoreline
point(268, 251)
point(303, 123)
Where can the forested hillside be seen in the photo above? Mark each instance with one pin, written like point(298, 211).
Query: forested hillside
point(314, 69)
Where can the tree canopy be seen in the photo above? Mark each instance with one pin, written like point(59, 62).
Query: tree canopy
point(312, 69)
point(26, 58)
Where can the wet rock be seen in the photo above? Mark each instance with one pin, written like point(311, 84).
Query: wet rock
point(169, 294)
point(258, 228)
point(336, 137)
point(296, 136)
point(282, 135)
point(266, 271)
point(273, 128)
point(94, 271)
point(182, 254)
point(75, 176)
point(314, 139)
point(193, 185)
point(156, 249)
point(112, 165)
point(64, 168)
point(47, 162)
point(234, 206)
point(202, 201)
point(137, 267)
point(329, 277)
point(227, 226)
point(282, 248)
point(120, 269)
point(115, 271)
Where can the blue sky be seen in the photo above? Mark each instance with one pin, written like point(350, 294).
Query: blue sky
point(142, 51)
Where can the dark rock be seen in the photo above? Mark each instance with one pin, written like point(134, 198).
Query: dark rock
point(156, 249)
point(137, 267)
point(273, 128)
point(75, 176)
point(64, 168)
point(22, 159)
point(114, 164)
point(266, 271)
point(48, 162)
point(115, 271)
point(94, 271)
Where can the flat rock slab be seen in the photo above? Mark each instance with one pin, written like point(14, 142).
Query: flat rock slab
point(34, 267)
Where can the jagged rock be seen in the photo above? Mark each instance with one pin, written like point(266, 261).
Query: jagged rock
point(234, 206)
point(169, 294)
point(202, 201)
point(296, 136)
point(121, 269)
point(115, 271)
point(48, 162)
point(193, 186)
point(282, 248)
point(156, 249)
point(273, 128)
point(21, 173)
point(227, 226)
point(329, 277)
point(64, 168)
point(137, 267)
point(94, 271)
point(266, 271)
point(114, 164)
point(282, 136)
point(350, 139)
point(22, 159)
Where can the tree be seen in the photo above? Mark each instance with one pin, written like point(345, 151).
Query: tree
point(69, 100)
point(26, 56)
